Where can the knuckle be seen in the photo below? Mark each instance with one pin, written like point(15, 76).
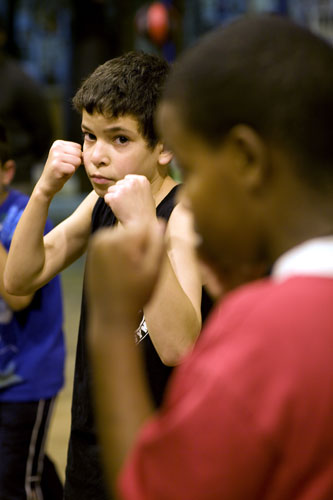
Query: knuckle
point(57, 143)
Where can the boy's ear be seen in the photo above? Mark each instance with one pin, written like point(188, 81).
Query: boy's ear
point(165, 156)
point(9, 168)
point(251, 156)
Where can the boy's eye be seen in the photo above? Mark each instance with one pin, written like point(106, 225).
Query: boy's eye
point(87, 136)
point(121, 139)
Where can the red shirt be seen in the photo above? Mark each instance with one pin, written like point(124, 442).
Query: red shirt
point(249, 415)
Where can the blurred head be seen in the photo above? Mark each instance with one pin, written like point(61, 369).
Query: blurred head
point(7, 165)
point(247, 112)
point(127, 85)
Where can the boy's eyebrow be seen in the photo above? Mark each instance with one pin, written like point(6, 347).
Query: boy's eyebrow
point(115, 128)
point(118, 129)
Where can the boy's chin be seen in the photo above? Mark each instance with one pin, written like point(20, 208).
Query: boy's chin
point(100, 190)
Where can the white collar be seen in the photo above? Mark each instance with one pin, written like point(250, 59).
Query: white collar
point(313, 257)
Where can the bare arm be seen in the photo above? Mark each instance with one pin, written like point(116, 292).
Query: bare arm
point(34, 259)
point(173, 315)
point(122, 268)
point(16, 303)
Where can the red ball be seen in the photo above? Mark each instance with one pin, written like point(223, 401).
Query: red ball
point(158, 22)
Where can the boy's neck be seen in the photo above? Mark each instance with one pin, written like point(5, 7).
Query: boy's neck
point(162, 187)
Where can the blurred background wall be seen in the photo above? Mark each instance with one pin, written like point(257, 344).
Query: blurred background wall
point(59, 42)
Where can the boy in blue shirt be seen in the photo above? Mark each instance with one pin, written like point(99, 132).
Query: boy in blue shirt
point(31, 363)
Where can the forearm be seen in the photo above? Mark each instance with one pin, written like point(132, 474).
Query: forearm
point(121, 395)
point(25, 270)
point(27, 253)
point(16, 303)
point(172, 321)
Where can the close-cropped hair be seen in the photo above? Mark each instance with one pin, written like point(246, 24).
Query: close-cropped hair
point(127, 85)
point(268, 73)
point(4, 146)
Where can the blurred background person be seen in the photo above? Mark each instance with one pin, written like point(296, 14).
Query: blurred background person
point(31, 364)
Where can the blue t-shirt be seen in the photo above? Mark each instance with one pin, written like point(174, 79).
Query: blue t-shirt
point(31, 340)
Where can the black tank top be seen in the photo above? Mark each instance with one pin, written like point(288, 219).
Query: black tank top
point(157, 373)
point(84, 478)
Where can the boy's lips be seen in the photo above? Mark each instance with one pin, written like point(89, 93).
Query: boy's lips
point(98, 179)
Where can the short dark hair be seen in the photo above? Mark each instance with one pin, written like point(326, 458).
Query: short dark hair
point(266, 72)
point(4, 146)
point(130, 84)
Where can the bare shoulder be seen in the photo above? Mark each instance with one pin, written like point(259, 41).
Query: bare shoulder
point(88, 203)
point(181, 224)
point(181, 238)
point(82, 214)
point(181, 249)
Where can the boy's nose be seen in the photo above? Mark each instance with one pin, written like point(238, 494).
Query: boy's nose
point(99, 155)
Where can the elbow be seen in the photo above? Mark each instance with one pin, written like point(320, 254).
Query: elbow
point(170, 358)
point(13, 287)
point(173, 355)
point(9, 287)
